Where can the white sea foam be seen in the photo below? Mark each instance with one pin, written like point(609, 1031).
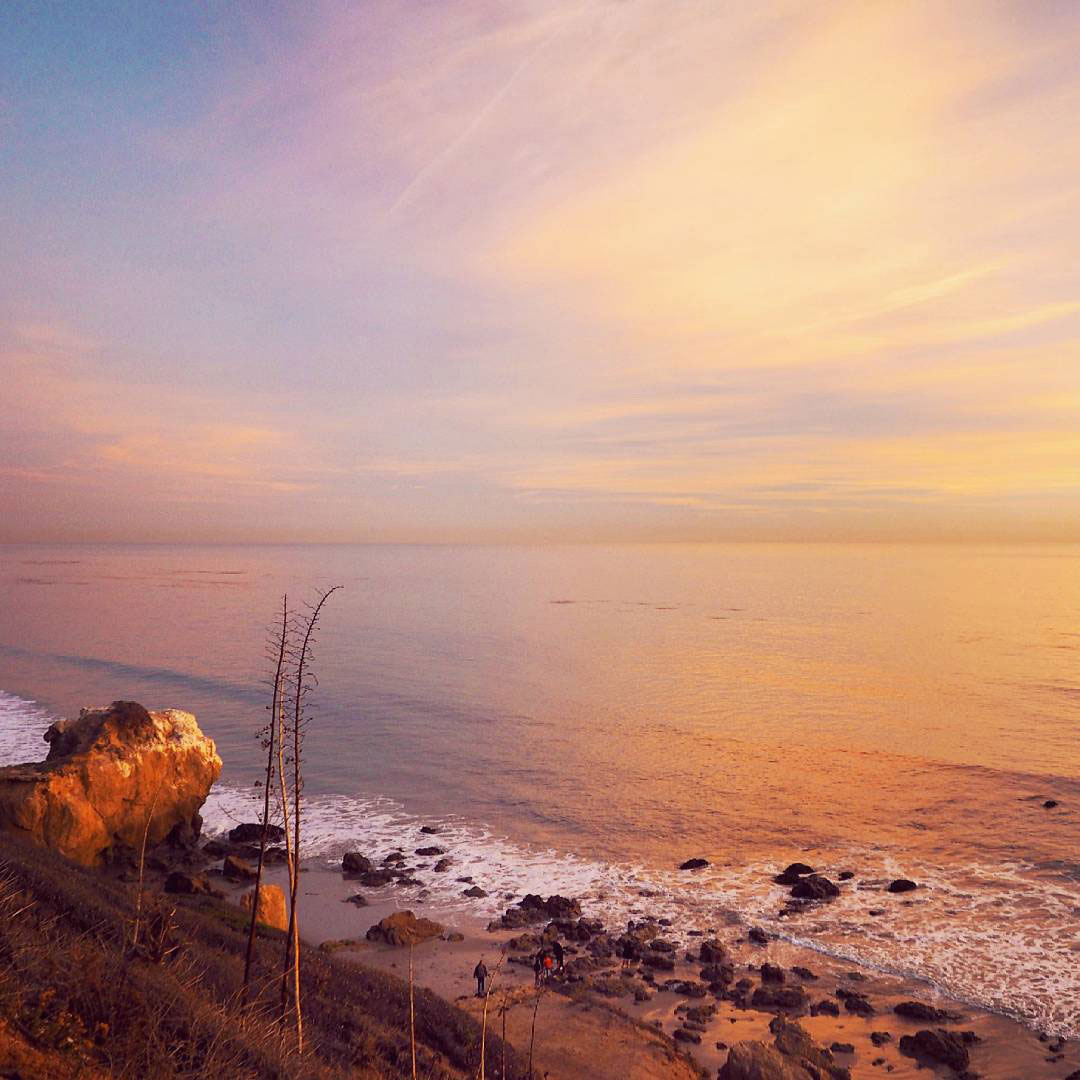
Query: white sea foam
point(1003, 937)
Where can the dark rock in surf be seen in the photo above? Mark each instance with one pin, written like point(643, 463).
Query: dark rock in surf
point(791, 874)
point(815, 887)
point(475, 892)
point(250, 832)
point(694, 864)
point(442, 866)
point(359, 899)
point(845, 875)
point(352, 862)
point(804, 973)
point(771, 973)
point(430, 830)
point(432, 850)
point(758, 936)
point(902, 885)
point(376, 879)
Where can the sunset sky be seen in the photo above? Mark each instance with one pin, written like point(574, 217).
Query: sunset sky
point(610, 269)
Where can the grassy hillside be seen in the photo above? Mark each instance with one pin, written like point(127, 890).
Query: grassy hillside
point(75, 1001)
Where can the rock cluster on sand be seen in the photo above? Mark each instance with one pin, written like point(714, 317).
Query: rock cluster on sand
point(793, 1055)
point(106, 775)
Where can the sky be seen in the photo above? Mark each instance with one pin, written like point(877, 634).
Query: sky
point(467, 270)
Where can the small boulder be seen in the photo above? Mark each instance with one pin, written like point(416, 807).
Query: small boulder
point(251, 833)
point(352, 862)
point(237, 870)
point(902, 885)
point(694, 864)
point(772, 973)
point(758, 936)
point(937, 1045)
point(712, 951)
point(187, 884)
point(359, 899)
point(815, 887)
point(404, 927)
point(434, 849)
point(271, 910)
point(475, 892)
point(441, 866)
point(779, 997)
point(919, 1010)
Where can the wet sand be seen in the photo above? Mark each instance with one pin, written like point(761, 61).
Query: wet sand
point(581, 1033)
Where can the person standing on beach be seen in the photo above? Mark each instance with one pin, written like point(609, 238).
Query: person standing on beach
point(538, 966)
point(480, 974)
point(557, 948)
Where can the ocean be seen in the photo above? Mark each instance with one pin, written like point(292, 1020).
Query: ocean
point(580, 719)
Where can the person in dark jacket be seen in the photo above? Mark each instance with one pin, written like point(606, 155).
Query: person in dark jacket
point(480, 974)
point(557, 949)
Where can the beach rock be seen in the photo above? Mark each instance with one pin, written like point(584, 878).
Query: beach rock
point(658, 945)
point(825, 1008)
point(404, 927)
point(902, 885)
point(251, 833)
point(475, 892)
point(359, 899)
point(533, 909)
point(352, 862)
point(395, 858)
point(880, 1038)
point(845, 875)
point(1050, 804)
point(430, 830)
point(433, 850)
point(815, 887)
point(918, 1010)
point(842, 1048)
point(684, 1034)
point(105, 775)
point(442, 866)
point(271, 910)
point(711, 951)
point(237, 870)
point(937, 1045)
point(454, 936)
point(694, 864)
point(771, 973)
point(375, 879)
point(793, 1056)
point(855, 1003)
point(804, 973)
point(779, 997)
point(791, 874)
point(758, 936)
point(187, 884)
point(717, 974)
point(658, 961)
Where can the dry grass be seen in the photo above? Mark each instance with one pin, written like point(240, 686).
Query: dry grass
point(72, 988)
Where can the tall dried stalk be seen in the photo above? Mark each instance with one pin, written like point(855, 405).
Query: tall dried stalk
point(483, 1023)
point(142, 866)
point(303, 679)
point(532, 1034)
point(280, 640)
point(412, 1012)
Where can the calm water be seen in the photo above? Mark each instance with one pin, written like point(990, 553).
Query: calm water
point(581, 718)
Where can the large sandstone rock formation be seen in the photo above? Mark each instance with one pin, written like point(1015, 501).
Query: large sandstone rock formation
point(106, 774)
point(271, 910)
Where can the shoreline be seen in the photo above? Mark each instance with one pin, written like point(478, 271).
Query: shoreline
point(1006, 1050)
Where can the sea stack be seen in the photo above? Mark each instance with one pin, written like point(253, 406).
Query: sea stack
point(106, 775)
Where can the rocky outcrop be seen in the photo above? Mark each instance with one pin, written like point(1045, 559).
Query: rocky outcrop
point(110, 777)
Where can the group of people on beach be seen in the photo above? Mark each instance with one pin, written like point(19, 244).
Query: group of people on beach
point(548, 962)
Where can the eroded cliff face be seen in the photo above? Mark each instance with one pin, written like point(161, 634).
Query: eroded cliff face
point(106, 775)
